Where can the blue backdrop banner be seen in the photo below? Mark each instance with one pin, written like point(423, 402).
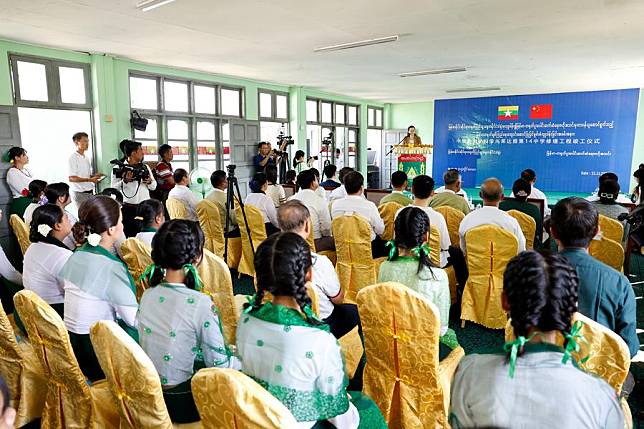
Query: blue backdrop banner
point(569, 139)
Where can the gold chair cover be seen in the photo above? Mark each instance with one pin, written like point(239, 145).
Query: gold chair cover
point(210, 220)
point(137, 255)
point(227, 398)
point(21, 229)
point(133, 381)
point(23, 373)
point(388, 214)
point(258, 232)
point(528, 226)
point(217, 283)
point(403, 375)
point(315, 302)
point(434, 245)
point(310, 239)
point(70, 402)
point(352, 350)
point(608, 251)
point(355, 266)
point(611, 228)
point(489, 249)
point(176, 209)
point(453, 218)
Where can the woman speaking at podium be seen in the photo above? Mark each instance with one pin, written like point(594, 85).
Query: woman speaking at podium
point(412, 139)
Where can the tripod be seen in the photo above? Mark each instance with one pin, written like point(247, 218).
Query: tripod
point(232, 181)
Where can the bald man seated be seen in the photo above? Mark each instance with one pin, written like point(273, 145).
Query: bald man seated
point(490, 214)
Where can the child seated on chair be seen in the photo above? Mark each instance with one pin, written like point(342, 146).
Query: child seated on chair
point(150, 215)
point(37, 193)
point(179, 327)
point(408, 263)
point(513, 389)
point(290, 352)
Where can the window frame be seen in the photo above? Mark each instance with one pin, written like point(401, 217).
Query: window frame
point(375, 125)
point(333, 122)
point(273, 117)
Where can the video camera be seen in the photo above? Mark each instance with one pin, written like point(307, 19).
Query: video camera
point(328, 140)
point(139, 171)
point(282, 142)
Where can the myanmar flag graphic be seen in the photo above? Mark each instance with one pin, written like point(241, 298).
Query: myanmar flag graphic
point(508, 113)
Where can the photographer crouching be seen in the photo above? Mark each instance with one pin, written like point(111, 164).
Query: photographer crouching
point(134, 180)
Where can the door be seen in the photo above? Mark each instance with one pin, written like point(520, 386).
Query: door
point(9, 136)
point(244, 137)
point(388, 162)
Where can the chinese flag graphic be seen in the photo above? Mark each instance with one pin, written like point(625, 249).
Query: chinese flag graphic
point(541, 111)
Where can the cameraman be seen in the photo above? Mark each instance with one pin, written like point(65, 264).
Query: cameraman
point(264, 157)
point(134, 180)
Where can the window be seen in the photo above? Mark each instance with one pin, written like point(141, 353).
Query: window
point(339, 114)
point(42, 82)
point(281, 106)
point(205, 99)
point(175, 96)
point(149, 140)
point(231, 104)
point(206, 145)
point(143, 93)
point(352, 115)
point(374, 117)
point(179, 139)
point(326, 113)
point(273, 106)
point(311, 111)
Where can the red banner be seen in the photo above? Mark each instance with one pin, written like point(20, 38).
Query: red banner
point(412, 157)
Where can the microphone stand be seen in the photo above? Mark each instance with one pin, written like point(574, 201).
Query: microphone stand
point(389, 153)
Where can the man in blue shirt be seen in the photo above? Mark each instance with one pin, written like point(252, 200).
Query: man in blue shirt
point(329, 174)
point(264, 156)
point(605, 294)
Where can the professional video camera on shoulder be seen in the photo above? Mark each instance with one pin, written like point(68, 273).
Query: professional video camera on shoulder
point(133, 162)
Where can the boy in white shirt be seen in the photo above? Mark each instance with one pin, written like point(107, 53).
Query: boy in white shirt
point(182, 192)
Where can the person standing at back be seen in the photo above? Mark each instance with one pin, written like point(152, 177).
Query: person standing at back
point(398, 185)
point(81, 180)
point(329, 174)
point(521, 189)
point(163, 173)
point(451, 195)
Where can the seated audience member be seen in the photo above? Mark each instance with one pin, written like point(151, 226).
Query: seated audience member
point(621, 199)
point(150, 215)
point(521, 189)
point(37, 192)
point(47, 255)
point(275, 190)
point(7, 412)
point(163, 173)
point(218, 195)
point(409, 264)
point(114, 194)
point(18, 179)
point(182, 192)
point(605, 294)
point(318, 209)
point(490, 214)
point(637, 191)
point(340, 192)
point(531, 177)
point(294, 217)
point(263, 202)
point(449, 195)
point(355, 203)
point(98, 285)
point(423, 188)
point(290, 352)
point(58, 193)
point(329, 174)
point(398, 185)
point(607, 203)
point(8, 272)
point(176, 321)
point(534, 374)
point(320, 191)
point(291, 177)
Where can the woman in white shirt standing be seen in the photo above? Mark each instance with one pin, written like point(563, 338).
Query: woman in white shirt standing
point(149, 216)
point(18, 179)
point(47, 255)
point(263, 202)
point(98, 285)
point(37, 194)
point(58, 193)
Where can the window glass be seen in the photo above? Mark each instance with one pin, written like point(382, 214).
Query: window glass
point(378, 118)
point(311, 110)
point(175, 96)
point(32, 81)
point(352, 115)
point(265, 105)
point(72, 85)
point(206, 145)
point(339, 113)
point(326, 112)
point(371, 117)
point(143, 93)
point(230, 102)
point(178, 139)
point(281, 106)
point(205, 101)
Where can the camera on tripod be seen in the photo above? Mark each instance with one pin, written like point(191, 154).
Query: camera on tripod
point(328, 140)
point(282, 143)
point(139, 171)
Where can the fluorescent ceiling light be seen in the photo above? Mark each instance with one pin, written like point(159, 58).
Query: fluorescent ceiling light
point(148, 5)
point(359, 44)
point(434, 71)
point(474, 89)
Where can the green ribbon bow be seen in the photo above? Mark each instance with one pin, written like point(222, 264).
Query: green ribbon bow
point(573, 342)
point(309, 313)
point(513, 347)
point(424, 247)
point(148, 273)
point(189, 268)
point(393, 249)
point(251, 303)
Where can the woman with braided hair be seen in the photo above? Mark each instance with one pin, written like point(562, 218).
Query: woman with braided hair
point(408, 263)
point(290, 352)
point(535, 382)
point(179, 327)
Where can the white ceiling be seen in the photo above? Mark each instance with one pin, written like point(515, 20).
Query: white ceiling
point(521, 46)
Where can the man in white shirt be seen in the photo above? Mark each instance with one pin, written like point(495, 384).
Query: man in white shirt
point(318, 209)
point(490, 214)
point(81, 180)
point(182, 192)
point(531, 177)
point(293, 216)
point(340, 192)
point(134, 191)
point(423, 188)
point(355, 203)
point(218, 196)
